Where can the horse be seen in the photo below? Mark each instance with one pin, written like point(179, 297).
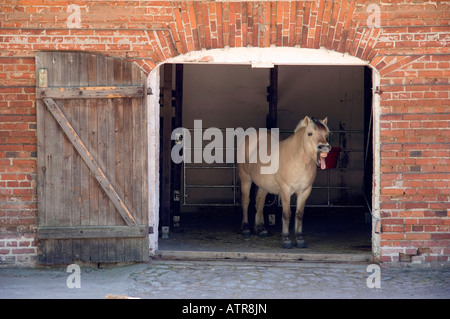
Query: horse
point(297, 159)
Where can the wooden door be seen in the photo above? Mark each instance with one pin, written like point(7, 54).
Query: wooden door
point(92, 159)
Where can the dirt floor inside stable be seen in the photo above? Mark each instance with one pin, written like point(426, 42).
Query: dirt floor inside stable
point(326, 231)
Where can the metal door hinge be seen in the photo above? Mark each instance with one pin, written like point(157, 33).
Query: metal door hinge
point(377, 90)
point(176, 196)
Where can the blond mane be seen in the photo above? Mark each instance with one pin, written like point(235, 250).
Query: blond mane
point(300, 125)
point(317, 124)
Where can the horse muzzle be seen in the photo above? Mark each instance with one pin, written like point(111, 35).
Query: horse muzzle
point(323, 148)
point(322, 152)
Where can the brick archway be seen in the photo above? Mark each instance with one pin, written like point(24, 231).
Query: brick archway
point(412, 64)
point(205, 32)
point(258, 57)
point(342, 27)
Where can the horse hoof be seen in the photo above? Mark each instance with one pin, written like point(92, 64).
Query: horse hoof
point(246, 230)
point(246, 233)
point(287, 244)
point(300, 243)
point(263, 233)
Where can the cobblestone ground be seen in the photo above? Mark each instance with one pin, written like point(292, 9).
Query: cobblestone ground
point(227, 279)
point(231, 280)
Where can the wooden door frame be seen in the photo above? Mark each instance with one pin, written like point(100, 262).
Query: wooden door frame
point(262, 57)
point(171, 113)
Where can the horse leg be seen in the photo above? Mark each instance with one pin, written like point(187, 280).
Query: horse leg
point(260, 229)
point(285, 202)
point(301, 199)
point(245, 200)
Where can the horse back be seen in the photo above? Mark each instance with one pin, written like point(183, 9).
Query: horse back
point(251, 166)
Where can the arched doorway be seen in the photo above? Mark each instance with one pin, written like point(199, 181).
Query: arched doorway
point(286, 60)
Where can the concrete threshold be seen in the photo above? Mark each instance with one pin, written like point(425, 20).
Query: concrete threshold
point(261, 256)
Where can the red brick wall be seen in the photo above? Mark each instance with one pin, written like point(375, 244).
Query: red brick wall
point(408, 45)
point(18, 200)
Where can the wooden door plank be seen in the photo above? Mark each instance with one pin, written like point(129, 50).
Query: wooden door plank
point(42, 61)
point(82, 232)
point(92, 143)
point(118, 141)
point(67, 76)
point(84, 135)
point(111, 243)
point(103, 200)
point(74, 79)
point(53, 167)
point(50, 140)
point(98, 78)
point(76, 169)
point(80, 170)
point(41, 168)
point(90, 161)
point(91, 92)
point(121, 155)
point(138, 157)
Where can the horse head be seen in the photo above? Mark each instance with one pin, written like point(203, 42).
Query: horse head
point(315, 135)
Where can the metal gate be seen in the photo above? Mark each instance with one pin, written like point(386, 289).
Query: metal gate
point(92, 159)
point(191, 185)
point(331, 189)
point(199, 178)
point(220, 180)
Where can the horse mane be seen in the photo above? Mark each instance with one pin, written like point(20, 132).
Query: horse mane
point(317, 125)
point(300, 125)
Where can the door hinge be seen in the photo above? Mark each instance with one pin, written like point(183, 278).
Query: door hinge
point(176, 195)
point(377, 90)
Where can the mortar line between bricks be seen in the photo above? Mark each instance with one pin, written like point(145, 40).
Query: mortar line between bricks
point(84, 29)
point(415, 84)
point(413, 143)
point(413, 54)
point(434, 113)
point(17, 57)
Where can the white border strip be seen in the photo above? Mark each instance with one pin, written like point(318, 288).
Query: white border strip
point(257, 57)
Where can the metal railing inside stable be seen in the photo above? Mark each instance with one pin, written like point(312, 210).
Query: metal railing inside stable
point(235, 187)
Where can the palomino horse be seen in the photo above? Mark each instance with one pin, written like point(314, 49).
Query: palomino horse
point(298, 157)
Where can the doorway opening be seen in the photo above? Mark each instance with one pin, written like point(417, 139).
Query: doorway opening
point(200, 212)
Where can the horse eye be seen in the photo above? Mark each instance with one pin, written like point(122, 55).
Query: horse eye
point(309, 134)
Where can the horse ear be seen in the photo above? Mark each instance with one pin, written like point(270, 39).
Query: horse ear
point(306, 120)
point(325, 120)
